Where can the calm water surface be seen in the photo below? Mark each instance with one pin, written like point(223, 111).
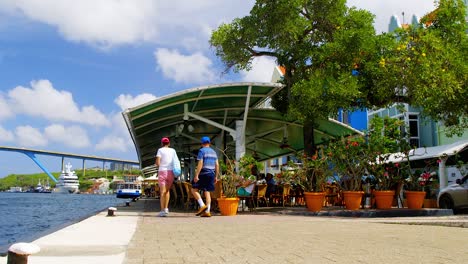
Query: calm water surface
point(28, 216)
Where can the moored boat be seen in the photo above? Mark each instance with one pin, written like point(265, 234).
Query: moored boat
point(130, 187)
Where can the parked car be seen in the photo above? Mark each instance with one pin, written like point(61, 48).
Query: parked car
point(454, 196)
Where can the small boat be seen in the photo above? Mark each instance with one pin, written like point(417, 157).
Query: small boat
point(68, 181)
point(15, 189)
point(129, 188)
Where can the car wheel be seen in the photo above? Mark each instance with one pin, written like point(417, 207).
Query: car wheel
point(445, 202)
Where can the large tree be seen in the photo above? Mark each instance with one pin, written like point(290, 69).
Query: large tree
point(428, 66)
point(318, 42)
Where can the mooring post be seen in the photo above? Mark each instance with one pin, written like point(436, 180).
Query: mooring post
point(111, 210)
point(18, 253)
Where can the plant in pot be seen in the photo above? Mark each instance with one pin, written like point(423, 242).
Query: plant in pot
point(418, 184)
point(384, 138)
point(311, 175)
point(349, 157)
point(230, 180)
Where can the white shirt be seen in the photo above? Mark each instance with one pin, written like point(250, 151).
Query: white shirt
point(166, 156)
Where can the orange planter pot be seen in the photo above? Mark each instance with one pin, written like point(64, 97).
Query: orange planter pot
point(314, 201)
point(384, 199)
point(352, 199)
point(228, 206)
point(415, 199)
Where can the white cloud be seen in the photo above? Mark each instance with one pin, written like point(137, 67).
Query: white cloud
point(125, 101)
point(262, 70)
point(5, 135)
point(105, 23)
point(43, 100)
point(195, 68)
point(113, 142)
point(5, 110)
point(73, 136)
point(28, 136)
point(384, 9)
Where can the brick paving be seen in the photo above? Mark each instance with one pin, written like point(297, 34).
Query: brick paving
point(278, 238)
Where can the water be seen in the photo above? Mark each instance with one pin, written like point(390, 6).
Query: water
point(28, 216)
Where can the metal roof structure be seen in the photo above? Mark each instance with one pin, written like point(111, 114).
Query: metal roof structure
point(233, 115)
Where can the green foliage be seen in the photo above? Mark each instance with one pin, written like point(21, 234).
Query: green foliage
point(318, 42)
point(384, 138)
point(248, 166)
point(27, 180)
point(313, 172)
point(350, 159)
point(428, 65)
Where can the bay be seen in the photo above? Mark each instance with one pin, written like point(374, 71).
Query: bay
point(28, 216)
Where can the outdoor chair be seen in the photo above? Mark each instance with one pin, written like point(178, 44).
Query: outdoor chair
point(189, 199)
point(249, 199)
point(283, 196)
point(260, 194)
point(217, 193)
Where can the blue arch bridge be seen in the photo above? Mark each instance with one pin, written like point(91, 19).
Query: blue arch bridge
point(31, 153)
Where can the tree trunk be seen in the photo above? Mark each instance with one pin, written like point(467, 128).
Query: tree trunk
point(309, 142)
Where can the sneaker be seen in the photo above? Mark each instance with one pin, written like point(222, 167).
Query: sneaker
point(201, 210)
point(163, 214)
point(205, 214)
point(166, 210)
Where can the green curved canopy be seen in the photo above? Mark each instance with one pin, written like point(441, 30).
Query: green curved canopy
point(267, 133)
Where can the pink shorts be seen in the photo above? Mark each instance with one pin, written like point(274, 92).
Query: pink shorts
point(165, 178)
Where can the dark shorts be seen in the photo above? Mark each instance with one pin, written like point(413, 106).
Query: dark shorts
point(206, 180)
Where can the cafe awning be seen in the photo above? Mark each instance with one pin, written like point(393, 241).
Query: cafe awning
point(225, 113)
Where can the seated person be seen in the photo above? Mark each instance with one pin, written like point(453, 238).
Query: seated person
point(247, 186)
point(271, 185)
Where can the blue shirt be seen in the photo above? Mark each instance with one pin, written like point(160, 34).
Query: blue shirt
point(209, 157)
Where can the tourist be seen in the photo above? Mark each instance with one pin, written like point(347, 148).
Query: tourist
point(271, 185)
point(206, 176)
point(164, 162)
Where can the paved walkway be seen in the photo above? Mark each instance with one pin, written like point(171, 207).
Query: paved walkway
point(279, 238)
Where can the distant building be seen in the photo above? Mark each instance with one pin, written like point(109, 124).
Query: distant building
point(117, 166)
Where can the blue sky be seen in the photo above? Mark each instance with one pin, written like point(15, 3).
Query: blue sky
point(69, 68)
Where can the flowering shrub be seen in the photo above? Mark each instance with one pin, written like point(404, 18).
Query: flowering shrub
point(350, 160)
point(312, 173)
point(424, 180)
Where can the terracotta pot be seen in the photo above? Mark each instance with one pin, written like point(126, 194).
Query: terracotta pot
point(314, 201)
point(415, 199)
point(430, 203)
point(384, 199)
point(228, 206)
point(352, 199)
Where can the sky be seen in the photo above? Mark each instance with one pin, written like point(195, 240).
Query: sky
point(69, 68)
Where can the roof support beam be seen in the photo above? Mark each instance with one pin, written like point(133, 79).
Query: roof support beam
point(188, 114)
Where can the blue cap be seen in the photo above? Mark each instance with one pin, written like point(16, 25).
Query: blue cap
point(205, 140)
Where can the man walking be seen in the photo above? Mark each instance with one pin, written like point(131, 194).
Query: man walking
point(165, 162)
point(206, 176)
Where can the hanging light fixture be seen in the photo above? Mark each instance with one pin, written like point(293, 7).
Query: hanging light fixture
point(284, 144)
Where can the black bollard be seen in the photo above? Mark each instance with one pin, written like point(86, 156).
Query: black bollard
point(111, 210)
point(127, 203)
point(18, 253)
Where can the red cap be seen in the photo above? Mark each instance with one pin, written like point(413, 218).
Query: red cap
point(165, 140)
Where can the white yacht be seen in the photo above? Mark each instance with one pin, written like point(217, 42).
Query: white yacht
point(68, 181)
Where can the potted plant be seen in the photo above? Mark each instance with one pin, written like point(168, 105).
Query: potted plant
point(228, 202)
point(311, 175)
point(231, 180)
point(418, 185)
point(349, 157)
